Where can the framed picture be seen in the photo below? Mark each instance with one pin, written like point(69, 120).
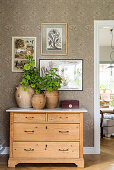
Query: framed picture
point(21, 47)
point(54, 39)
point(69, 70)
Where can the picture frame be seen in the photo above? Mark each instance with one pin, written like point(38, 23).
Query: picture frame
point(54, 38)
point(21, 47)
point(70, 70)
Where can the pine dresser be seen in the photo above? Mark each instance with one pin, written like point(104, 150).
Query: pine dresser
point(46, 136)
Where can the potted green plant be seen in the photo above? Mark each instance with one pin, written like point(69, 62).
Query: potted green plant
point(32, 79)
point(52, 84)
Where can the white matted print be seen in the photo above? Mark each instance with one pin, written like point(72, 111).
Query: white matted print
point(54, 39)
point(69, 70)
point(21, 47)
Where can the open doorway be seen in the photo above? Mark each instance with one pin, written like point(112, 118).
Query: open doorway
point(98, 26)
point(106, 77)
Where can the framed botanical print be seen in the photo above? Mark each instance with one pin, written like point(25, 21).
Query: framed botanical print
point(54, 39)
point(69, 70)
point(21, 47)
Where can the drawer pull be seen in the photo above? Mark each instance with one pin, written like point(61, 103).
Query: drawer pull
point(29, 149)
point(60, 131)
point(64, 150)
point(63, 117)
point(28, 131)
point(29, 117)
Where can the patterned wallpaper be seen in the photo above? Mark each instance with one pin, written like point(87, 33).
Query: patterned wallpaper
point(24, 18)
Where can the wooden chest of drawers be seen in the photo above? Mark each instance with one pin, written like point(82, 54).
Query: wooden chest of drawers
point(46, 136)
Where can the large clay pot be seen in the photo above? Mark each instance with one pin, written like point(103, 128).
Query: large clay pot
point(38, 101)
point(52, 99)
point(23, 98)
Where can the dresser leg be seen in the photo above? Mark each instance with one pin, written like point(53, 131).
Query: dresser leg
point(80, 163)
point(11, 163)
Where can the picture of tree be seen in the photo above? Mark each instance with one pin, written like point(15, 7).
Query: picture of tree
point(54, 38)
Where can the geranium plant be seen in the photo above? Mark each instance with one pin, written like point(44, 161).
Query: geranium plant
point(52, 80)
point(31, 76)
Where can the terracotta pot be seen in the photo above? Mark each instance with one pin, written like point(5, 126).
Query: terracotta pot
point(23, 98)
point(52, 99)
point(38, 101)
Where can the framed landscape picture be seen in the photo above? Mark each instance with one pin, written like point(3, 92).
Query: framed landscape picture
point(21, 47)
point(69, 70)
point(54, 39)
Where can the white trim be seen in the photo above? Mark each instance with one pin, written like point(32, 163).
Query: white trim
point(97, 25)
point(5, 151)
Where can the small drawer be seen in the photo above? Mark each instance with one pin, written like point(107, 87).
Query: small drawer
point(64, 118)
point(46, 132)
point(29, 117)
point(46, 150)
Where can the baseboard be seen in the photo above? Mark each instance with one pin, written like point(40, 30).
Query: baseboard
point(86, 150)
point(5, 151)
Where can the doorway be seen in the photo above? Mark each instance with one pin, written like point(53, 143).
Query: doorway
point(98, 24)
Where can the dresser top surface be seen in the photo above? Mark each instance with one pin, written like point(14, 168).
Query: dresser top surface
point(16, 109)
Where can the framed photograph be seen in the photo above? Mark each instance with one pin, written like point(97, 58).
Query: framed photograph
point(69, 70)
point(54, 39)
point(21, 47)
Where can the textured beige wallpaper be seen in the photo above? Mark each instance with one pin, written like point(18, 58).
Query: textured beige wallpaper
point(24, 18)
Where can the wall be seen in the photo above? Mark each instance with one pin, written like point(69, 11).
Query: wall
point(24, 18)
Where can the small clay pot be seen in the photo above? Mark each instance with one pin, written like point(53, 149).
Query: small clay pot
point(23, 98)
point(38, 101)
point(52, 99)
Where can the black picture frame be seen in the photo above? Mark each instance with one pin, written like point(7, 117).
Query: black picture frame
point(45, 62)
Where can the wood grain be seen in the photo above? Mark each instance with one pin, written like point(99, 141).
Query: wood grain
point(46, 132)
point(64, 118)
point(46, 138)
point(46, 149)
point(29, 118)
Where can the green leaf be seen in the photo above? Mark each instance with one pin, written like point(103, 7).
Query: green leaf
point(25, 88)
point(32, 63)
point(26, 67)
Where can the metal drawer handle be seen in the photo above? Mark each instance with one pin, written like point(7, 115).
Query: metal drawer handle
point(29, 117)
point(64, 150)
point(63, 117)
point(28, 131)
point(60, 131)
point(29, 149)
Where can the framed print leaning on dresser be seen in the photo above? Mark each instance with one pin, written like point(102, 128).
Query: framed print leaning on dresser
point(54, 39)
point(69, 70)
point(21, 47)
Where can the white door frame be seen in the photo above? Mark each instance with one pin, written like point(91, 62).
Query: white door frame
point(97, 25)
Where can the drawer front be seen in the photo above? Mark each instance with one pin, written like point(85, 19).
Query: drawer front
point(46, 132)
point(25, 117)
point(46, 149)
point(64, 118)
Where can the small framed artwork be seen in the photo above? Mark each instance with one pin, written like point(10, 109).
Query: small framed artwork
point(69, 70)
point(54, 39)
point(21, 47)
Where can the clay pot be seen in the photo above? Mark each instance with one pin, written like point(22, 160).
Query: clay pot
point(38, 101)
point(52, 99)
point(23, 98)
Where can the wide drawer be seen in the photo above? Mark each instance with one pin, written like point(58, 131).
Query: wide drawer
point(46, 132)
point(46, 149)
point(64, 118)
point(26, 117)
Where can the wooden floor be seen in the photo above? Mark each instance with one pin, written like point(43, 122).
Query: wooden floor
point(104, 161)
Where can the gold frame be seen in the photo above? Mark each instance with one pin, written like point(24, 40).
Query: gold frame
point(42, 40)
